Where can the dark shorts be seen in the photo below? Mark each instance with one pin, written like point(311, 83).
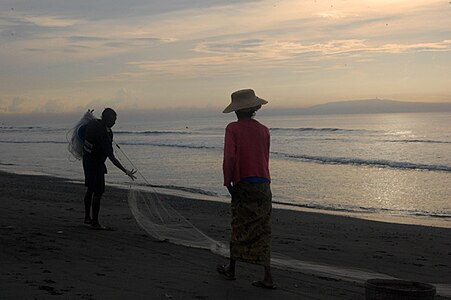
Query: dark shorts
point(94, 174)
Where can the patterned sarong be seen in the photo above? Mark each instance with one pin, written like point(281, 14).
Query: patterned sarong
point(251, 223)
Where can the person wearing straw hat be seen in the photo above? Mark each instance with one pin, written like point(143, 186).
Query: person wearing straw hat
point(246, 176)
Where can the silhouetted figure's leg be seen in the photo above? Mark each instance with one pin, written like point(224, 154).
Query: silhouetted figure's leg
point(88, 200)
point(96, 208)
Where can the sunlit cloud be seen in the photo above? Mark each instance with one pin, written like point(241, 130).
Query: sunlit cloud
point(49, 21)
point(229, 57)
point(420, 47)
point(335, 14)
point(191, 67)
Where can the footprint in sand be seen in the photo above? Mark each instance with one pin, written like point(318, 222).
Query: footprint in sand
point(286, 242)
point(86, 296)
point(30, 283)
point(67, 289)
point(49, 281)
point(49, 289)
point(422, 259)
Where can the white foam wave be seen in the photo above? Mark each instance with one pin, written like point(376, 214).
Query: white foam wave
point(312, 129)
point(367, 162)
point(151, 132)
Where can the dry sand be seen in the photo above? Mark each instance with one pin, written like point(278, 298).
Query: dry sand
point(46, 252)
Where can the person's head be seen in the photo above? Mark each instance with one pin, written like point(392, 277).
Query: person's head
point(109, 117)
point(244, 103)
point(247, 112)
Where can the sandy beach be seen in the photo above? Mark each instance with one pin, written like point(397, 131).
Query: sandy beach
point(46, 252)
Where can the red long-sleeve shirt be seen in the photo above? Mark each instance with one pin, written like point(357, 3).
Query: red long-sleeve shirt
point(246, 151)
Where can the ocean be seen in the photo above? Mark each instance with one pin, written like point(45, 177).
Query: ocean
point(389, 167)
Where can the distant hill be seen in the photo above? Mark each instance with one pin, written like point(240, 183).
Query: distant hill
point(375, 106)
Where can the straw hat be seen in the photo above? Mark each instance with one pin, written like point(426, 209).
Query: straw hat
point(243, 99)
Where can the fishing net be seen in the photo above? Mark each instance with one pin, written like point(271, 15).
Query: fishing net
point(75, 136)
point(163, 222)
point(160, 220)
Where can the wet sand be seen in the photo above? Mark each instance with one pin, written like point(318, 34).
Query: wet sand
point(46, 252)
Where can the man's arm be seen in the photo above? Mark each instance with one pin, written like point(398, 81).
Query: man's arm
point(129, 173)
point(107, 144)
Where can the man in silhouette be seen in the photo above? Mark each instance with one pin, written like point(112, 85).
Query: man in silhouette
point(98, 146)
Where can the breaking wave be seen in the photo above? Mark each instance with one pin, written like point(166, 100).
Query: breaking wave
point(30, 129)
point(311, 129)
point(367, 162)
point(181, 145)
point(418, 141)
point(32, 142)
point(381, 163)
point(151, 132)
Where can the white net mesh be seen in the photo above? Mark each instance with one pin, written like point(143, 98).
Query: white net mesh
point(160, 220)
point(164, 223)
point(74, 138)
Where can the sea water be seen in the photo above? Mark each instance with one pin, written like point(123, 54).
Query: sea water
point(375, 165)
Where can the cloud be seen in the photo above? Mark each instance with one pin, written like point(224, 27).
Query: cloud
point(418, 47)
point(81, 39)
point(18, 105)
point(3, 106)
point(123, 98)
point(250, 25)
point(335, 14)
point(52, 49)
point(50, 21)
point(56, 39)
point(100, 11)
point(246, 55)
point(243, 46)
point(51, 106)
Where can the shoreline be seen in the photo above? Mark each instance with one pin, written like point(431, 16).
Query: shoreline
point(47, 251)
point(420, 220)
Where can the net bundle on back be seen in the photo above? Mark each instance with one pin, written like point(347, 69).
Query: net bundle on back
point(75, 135)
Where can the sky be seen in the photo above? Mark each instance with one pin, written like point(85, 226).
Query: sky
point(60, 56)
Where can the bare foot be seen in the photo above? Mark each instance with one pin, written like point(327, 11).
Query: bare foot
point(97, 226)
point(264, 285)
point(226, 272)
